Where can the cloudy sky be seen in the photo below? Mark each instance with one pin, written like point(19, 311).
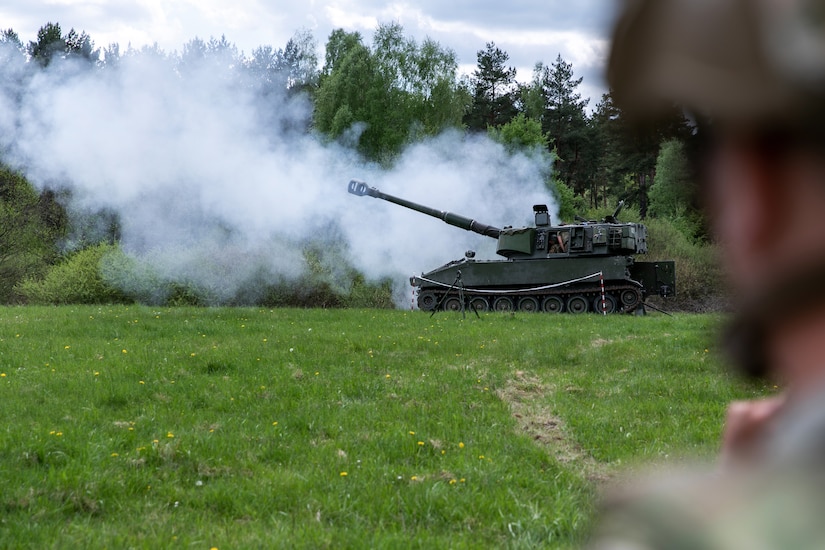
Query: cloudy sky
point(528, 30)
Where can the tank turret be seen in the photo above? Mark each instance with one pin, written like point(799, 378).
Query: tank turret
point(588, 266)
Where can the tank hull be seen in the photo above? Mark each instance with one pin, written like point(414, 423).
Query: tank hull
point(555, 285)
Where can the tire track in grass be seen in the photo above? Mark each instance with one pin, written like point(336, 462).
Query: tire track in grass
point(525, 393)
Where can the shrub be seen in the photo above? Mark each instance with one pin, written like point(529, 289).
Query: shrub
point(364, 294)
point(301, 293)
point(699, 278)
point(105, 274)
point(76, 280)
point(31, 224)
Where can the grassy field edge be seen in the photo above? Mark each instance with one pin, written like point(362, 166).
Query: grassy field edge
point(130, 426)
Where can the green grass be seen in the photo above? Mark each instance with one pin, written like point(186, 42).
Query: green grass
point(249, 428)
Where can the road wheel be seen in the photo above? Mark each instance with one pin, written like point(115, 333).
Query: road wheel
point(529, 304)
point(503, 303)
point(630, 299)
point(479, 303)
point(427, 300)
point(452, 304)
point(609, 304)
point(553, 304)
point(577, 304)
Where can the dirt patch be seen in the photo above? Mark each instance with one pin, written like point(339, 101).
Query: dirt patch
point(525, 394)
point(599, 342)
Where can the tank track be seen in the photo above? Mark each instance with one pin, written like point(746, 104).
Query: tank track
point(619, 298)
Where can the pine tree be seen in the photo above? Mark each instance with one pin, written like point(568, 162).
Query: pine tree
point(494, 90)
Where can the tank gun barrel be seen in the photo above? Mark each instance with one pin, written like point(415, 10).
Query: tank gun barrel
point(360, 188)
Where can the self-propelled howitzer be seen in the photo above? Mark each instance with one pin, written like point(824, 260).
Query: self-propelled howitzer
point(587, 266)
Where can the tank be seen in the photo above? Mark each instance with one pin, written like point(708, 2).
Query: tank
point(588, 266)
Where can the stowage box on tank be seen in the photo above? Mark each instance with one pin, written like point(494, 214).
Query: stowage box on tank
point(561, 268)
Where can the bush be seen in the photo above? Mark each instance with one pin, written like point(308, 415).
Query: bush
point(699, 278)
point(76, 280)
point(301, 293)
point(138, 280)
point(16, 269)
point(105, 274)
point(31, 225)
point(307, 292)
point(364, 294)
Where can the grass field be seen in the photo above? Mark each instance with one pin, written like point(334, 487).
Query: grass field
point(248, 428)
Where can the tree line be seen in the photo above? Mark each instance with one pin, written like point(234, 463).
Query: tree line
point(378, 98)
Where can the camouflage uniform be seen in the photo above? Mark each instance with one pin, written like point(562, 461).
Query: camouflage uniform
point(777, 505)
point(749, 64)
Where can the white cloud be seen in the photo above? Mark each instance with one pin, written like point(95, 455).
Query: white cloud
point(529, 30)
point(346, 19)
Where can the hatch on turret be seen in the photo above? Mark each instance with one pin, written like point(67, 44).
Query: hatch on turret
point(542, 215)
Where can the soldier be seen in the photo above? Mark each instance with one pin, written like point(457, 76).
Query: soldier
point(752, 75)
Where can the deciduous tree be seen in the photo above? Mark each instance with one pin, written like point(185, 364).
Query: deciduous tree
point(31, 225)
point(391, 94)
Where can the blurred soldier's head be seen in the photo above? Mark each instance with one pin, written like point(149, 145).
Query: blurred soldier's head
point(751, 73)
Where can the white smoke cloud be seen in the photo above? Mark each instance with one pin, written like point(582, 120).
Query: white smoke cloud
point(204, 171)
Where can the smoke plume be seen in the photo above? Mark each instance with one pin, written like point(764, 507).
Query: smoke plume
point(215, 181)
